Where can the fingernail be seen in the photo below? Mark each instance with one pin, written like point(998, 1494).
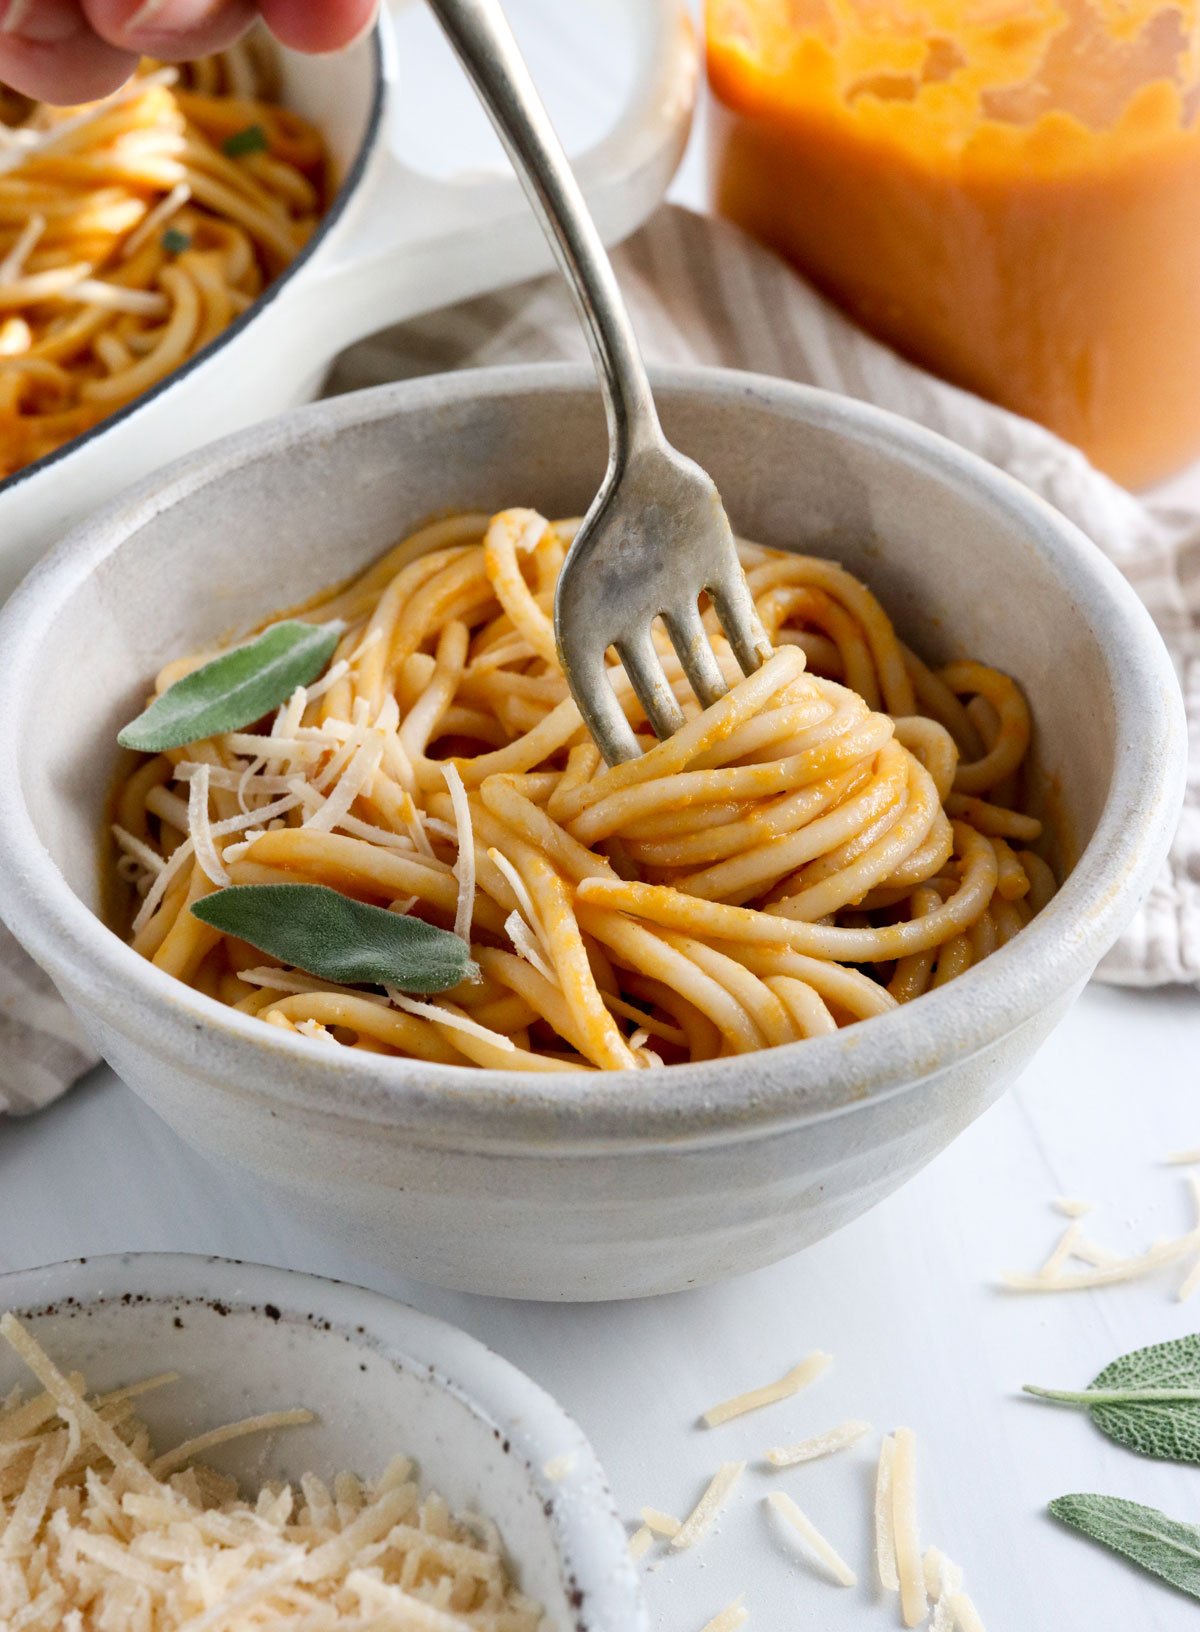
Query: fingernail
point(16, 14)
point(45, 24)
point(177, 15)
point(146, 13)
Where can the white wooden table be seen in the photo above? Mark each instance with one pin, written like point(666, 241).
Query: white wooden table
point(905, 1299)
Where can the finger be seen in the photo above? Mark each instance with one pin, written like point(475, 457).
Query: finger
point(327, 27)
point(171, 30)
point(49, 51)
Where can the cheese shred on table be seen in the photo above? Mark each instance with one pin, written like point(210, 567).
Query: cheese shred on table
point(754, 1399)
point(732, 1617)
point(709, 1505)
point(808, 1450)
point(914, 1601)
point(1103, 1266)
point(97, 1532)
point(816, 1543)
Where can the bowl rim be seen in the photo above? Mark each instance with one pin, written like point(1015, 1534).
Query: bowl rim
point(346, 190)
point(586, 1530)
point(712, 1102)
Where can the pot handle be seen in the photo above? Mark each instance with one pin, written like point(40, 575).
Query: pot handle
point(413, 242)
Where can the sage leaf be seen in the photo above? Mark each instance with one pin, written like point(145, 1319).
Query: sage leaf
point(235, 689)
point(1165, 1547)
point(1148, 1400)
point(329, 935)
point(251, 139)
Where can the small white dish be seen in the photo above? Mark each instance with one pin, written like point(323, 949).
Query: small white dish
point(382, 1379)
point(394, 242)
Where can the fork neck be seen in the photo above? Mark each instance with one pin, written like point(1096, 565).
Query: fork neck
point(481, 38)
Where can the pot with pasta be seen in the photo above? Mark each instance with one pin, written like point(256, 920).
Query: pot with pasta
point(188, 256)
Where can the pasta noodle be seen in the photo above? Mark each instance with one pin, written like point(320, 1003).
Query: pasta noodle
point(841, 832)
point(134, 230)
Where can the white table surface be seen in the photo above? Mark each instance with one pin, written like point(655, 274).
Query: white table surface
point(906, 1299)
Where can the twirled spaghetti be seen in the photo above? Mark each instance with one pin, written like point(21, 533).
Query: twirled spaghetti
point(843, 830)
point(134, 230)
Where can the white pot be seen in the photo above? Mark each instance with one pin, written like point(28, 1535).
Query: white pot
point(394, 243)
point(579, 1186)
point(381, 1378)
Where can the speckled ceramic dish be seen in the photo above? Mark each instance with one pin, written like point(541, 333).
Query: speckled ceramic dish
point(380, 1377)
point(579, 1186)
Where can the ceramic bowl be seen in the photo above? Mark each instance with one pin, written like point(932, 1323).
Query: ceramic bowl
point(394, 242)
point(381, 1379)
point(569, 1186)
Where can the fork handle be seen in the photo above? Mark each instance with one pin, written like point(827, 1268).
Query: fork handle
point(483, 41)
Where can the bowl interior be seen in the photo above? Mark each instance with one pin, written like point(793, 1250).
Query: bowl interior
point(378, 1376)
point(251, 530)
point(337, 94)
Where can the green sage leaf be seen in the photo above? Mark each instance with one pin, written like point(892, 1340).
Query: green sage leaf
point(1165, 1547)
point(235, 689)
point(329, 935)
point(251, 139)
point(1148, 1400)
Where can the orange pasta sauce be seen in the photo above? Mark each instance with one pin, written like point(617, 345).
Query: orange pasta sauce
point(1008, 191)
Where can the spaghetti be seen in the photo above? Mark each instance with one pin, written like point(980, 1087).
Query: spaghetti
point(134, 230)
point(842, 831)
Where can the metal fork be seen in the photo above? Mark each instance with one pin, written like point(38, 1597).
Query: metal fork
point(656, 537)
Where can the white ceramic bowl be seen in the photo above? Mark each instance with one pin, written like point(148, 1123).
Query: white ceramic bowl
point(381, 1378)
point(394, 242)
point(568, 1186)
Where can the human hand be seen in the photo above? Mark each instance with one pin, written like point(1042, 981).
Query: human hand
point(69, 51)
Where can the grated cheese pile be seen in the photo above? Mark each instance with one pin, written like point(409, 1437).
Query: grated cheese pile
point(97, 1534)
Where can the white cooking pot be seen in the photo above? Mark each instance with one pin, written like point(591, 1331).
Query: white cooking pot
point(394, 243)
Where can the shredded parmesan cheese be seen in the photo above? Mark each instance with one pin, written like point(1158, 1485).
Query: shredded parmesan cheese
point(942, 1580)
point(102, 1534)
point(710, 1504)
point(170, 204)
point(13, 263)
point(885, 1522)
point(770, 1393)
point(451, 1017)
point(816, 1543)
point(807, 1450)
point(138, 850)
point(641, 1541)
point(464, 867)
point(913, 1600)
point(1073, 1207)
point(1063, 1249)
point(1125, 1269)
point(1190, 1282)
point(526, 946)
point(200, 829)
point(662, 1524)
point(966, 1616)
point(732, 1617)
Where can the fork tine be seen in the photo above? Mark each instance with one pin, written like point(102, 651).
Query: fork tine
point(739, 619)
point(603, 715)
point(690, 640)
point(644, 668)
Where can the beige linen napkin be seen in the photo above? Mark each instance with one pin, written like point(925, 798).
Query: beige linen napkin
point(702, 292)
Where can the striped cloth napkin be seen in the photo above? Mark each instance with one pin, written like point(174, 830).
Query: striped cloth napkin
point(702, 292)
